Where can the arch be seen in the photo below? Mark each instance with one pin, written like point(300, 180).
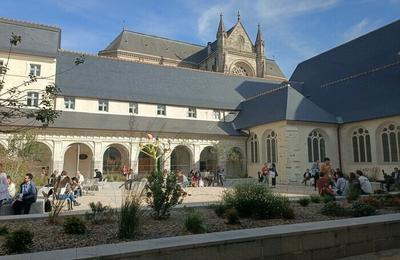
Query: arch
point(146, 163)
point(115, 157)
point(389, 136)
point(254, 145)
point(316, 144)
point(234, 162)
point(208, 159)
point(181, 159)
point(79, 157)
point(42, 156)
point(270, 146)
point(241, 68)
point(361, 143)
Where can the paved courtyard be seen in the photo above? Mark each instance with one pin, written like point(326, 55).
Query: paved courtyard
point(112, 195)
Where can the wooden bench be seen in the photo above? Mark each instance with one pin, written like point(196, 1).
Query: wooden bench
point(36, 208)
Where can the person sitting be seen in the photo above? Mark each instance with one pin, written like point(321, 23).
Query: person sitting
point(27, 196)
point(5, 196)
point(64, 190)
point(366, 187)
point(324, 186)
point(98, 175)
point(306, 177)
point(11, 187)
point(342, 184)
point(195, 179)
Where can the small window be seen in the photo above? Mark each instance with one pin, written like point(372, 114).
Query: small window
point(192, 112)
point(133, 108)
point(32, 99)
point(69, 102)
point(35, 70)
point(103, 105)
point(217, 114)
point(161, 110)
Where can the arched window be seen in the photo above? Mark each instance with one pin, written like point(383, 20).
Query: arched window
point(361, 145)
point(271, 147)
point(254, 148)
point(316, 146)
point(391, 143)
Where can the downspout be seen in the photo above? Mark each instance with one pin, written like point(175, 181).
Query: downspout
point(339, 146)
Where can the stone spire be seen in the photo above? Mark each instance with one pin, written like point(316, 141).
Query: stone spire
point(260, 53)
point(221, 26)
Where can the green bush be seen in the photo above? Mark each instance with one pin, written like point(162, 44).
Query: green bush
point(232, 216)
point(195, 223)
point(18, 241)
point(288, 213)
point(333, 209)
point(74, 225)
point(130, 216)
point(353, 194)
point(372, 201)
point(256, 200)
point(327, 198)
point(219, 209)
point(304, 202)
point(3, 230)
point(360, 209)
point(163, 193)
point(99, 214)
point(315, 198)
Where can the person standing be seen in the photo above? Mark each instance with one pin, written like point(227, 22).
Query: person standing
point(273, 173)
point(326, 168)
point(265, 174)
point(306, 177)
point(315, 173)
point(220, 173)
point(27, 196)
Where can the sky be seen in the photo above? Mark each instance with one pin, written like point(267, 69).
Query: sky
point(294, 30)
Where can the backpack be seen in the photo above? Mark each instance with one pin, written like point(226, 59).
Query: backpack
point(47, 206)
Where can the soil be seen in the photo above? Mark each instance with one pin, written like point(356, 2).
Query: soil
point(51, 237)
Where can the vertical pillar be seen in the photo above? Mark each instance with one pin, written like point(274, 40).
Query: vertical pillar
point(58, 156)
point(134, 157)
point(98, 157)
point(196, 156)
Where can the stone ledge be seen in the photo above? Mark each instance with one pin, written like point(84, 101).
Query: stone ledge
point(216, 245)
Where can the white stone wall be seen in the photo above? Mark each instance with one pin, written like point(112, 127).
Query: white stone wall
point(374, 127)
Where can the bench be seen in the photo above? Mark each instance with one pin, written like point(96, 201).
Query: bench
point(36, 208)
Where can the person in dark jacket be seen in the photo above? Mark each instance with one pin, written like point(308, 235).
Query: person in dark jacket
point(27, 195)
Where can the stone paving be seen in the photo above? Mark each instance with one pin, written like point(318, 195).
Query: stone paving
point(112, 195)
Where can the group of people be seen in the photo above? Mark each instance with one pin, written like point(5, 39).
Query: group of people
point(333, 182)
point(268, 172)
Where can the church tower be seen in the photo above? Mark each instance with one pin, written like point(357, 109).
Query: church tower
point(260, 53)
point(221, 38)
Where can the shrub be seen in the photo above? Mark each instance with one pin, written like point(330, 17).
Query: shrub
point(3, 230)
point(18, 241)
point(360, 209)
point(232, 216)
point(195, 223)
point(327, 198)
point(74, 225)
point(99, 213)
point(304, 202)
point(333, 209)
point(288, 213)
point(353, 194)
point(162, 193)
point(256, 200)
point(219, 209)
point(372, 201)
point(130, 216)
point(315, 198)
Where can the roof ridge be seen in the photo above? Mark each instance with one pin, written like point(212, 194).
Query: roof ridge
point(164, 38)
point(170, 67)
point(265, 93)
point(28, 23)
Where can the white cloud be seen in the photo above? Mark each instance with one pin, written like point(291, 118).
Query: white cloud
point(360, 28)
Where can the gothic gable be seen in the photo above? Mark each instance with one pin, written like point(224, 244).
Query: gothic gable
point(238, 39)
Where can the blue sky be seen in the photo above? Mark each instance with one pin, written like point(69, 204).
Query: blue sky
point(294, 30)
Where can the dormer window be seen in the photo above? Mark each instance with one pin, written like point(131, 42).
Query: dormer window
point(161, 110)
point(35, 70)
point(192, 112)
point(69, 103)
point(103, 105)
point(133, 108)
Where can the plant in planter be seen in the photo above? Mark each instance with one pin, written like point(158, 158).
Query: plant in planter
point(18, 241)
point(315, 198)
point(195, 222)
point(232, 216)
point(74, 225)
point(304, 202)
point(360, 209)
point(333, 209)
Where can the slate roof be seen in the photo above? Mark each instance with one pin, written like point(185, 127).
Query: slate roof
point(156, 46)
point(108, 78)
point(358, 80)
point(78, 120)
point(283, 103)
point(40, 40)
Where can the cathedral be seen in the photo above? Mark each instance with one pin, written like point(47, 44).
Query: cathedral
point(221, 105)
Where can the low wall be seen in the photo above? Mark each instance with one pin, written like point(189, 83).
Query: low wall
point(314, 240)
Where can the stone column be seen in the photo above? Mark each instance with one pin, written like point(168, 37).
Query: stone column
point(294, 149)
point(134, 157)
point(98, 156)
point(58, 156)
point(196, 156)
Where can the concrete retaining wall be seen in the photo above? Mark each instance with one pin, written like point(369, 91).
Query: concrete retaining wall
point(315, 240)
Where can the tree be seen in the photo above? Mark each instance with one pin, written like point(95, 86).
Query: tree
point(13, 99)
